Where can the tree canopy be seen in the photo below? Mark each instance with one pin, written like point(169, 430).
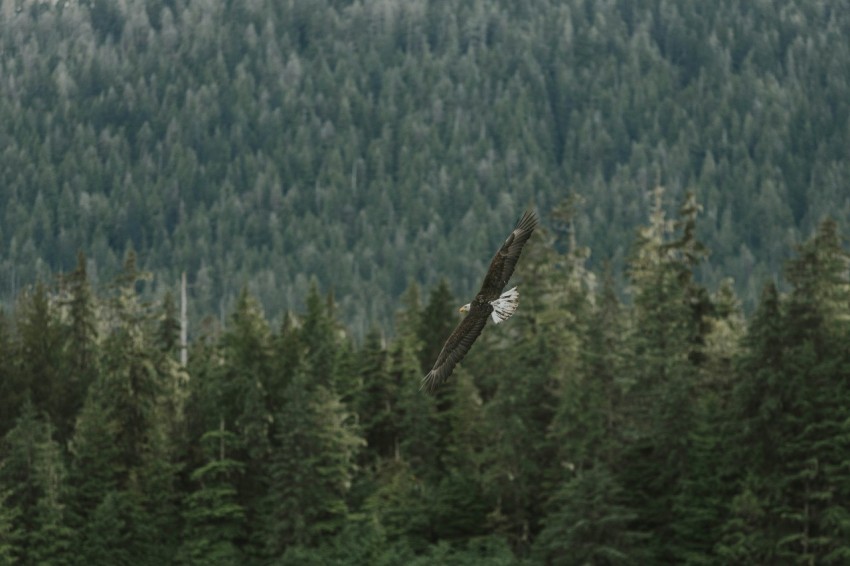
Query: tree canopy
point(264, 143)
point(672, 428)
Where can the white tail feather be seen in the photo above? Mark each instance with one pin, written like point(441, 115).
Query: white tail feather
point(505, 306)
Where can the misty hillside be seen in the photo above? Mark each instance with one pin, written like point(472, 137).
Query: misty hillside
point(373, 144)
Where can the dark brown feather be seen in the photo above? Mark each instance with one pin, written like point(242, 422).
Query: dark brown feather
point(467, 331)
point(503, 263)
point(458, 344)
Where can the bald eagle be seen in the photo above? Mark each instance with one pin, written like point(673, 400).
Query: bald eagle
point(490, 302)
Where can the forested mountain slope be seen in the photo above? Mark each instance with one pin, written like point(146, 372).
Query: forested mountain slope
point(375, 143)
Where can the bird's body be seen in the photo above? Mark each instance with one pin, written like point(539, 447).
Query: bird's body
point(490, 302)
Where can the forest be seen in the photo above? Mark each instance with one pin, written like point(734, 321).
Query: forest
point(376, 143)
point(333, 177)
point(671, 428)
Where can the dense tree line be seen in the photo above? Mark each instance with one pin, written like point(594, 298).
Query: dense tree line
point(264, 142)
point(667, 429)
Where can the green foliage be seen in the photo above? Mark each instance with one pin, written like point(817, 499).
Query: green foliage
point(436, 323)
point(119, 532)
point(9, 534)
point(12, 390)
point(270, 143)
point(33, 478)
point(214, 518)
point(312, 468)
point(667, 428)
point(590, 523)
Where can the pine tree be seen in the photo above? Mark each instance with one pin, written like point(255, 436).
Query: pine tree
point(9, 534)
point(119, 532)
point(287, 357)
point(460, 504)
point(437, 321)
point(12, 389)
point(590, 523)
point(96, 468)
point(666, 348)
point(399, 503)
point(814, 478)
point(40, 343)
point(318, 340)
point(80, 343)
point(794, 426)
point(214, 519)
point(33, 472)
point(168, 329)
point(376, 401)
point(311, 469)
point(52, 540)
point(418, 441)
point(122, 461)
point(239, 394)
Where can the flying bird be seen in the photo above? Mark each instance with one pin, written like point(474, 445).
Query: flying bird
point(490, 302)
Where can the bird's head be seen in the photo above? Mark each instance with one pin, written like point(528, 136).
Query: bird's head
point(464, 308)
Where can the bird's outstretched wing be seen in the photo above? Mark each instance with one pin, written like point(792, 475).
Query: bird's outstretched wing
point(457, 346)
point(503, 263)
point(500, 271)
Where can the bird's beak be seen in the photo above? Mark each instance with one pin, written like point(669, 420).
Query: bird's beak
point(464, 308)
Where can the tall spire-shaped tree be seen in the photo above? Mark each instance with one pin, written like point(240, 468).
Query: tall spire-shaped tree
point(665, 349)
point(214, 519)
point(310, 470)
point(80, 342)
point(40, 348)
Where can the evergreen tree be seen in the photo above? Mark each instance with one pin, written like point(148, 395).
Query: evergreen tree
point(376, 401)
point(319, 340)
point(590, 523)
point(214, 519)
point(80, 342)
point(9, 534)
point(33, 475)
point(239, 389)
point(460, 504)
point(96, 468)
point(52, 540)
point(12, 390)
point(436, 323)
point(40, 340)
point(666, 348)
point(311, 470)
point(168, 330)
point(814, 478)
point(119, 531)
point(418, 432)
point(287, 357)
